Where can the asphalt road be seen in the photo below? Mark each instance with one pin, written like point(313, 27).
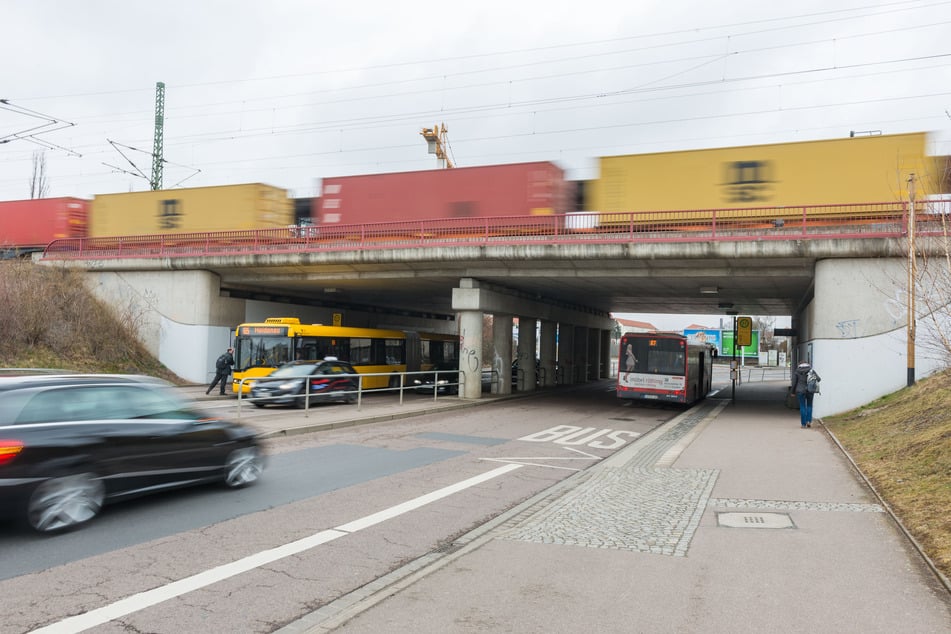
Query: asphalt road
point(334, 511)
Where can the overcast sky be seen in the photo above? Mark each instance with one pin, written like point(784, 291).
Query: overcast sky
point(289, 92)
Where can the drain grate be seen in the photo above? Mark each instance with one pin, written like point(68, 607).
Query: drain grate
point(755, 520)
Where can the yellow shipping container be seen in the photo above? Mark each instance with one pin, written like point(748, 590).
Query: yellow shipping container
point(840, 171)
point(197, 209)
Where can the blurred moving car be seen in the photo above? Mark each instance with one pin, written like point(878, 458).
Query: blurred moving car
point(444, 379)
point(326, 380)
point(71, 443)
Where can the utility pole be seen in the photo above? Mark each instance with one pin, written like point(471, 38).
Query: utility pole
point(733, 369)
point(158, 159)
point(912, 275)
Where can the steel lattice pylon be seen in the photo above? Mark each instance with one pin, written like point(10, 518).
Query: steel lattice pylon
point(157, 149)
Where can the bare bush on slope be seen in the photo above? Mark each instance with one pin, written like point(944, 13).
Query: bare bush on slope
point(49, 319)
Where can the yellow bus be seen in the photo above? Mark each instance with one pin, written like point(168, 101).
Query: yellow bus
point(259, 348)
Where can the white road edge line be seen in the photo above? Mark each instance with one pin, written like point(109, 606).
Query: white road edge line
point(155, 596)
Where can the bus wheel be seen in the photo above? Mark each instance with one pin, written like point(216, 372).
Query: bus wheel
point(395, 381)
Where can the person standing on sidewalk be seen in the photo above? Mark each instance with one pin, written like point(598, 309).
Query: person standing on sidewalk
point(805, 385)
point(222, 371)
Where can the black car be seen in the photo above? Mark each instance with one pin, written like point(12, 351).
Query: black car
point(326, 380)
point(443, 378)
point(71, 443)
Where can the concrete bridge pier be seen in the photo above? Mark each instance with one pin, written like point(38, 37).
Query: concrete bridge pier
point(526, 354)
point(854, 331)
point(547, 359)
point(180, 316)
point(472, 298)
point(502, 359)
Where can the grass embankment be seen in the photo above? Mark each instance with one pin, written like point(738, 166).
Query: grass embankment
point(902, 443)
point(48, 319)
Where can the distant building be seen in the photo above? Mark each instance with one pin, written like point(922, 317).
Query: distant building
point(630, 325)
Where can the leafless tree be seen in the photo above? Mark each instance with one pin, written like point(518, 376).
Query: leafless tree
point(933, 284)
point(39, 186)
point(765, 327)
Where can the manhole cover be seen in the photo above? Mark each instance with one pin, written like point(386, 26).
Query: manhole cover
point(755, 520)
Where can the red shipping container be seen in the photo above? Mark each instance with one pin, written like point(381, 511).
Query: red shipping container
point(35, 223)
point(521, 189)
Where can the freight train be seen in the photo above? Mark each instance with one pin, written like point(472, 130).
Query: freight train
point(737, 182)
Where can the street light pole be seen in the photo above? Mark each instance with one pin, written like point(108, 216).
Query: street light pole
point(912, 266)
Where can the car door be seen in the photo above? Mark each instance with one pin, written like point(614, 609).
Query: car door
point(339, 382)
point(160, 439)
point(96, 434)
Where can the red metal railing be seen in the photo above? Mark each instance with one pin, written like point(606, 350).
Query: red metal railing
point(868, 220)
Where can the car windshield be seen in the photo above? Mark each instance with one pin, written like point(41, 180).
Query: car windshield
point(293, 370)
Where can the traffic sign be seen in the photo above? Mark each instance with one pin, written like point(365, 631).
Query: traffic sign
point(744, 331)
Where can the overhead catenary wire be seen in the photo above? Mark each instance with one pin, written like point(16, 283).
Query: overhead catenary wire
point(651, 89)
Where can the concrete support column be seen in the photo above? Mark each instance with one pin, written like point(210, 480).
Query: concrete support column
point(547, 353)
point(566, 354)
point(470, 352)
point(606, 354)
point(526, 354)
point(582, 359)
point(502, 360)
point(594, 353)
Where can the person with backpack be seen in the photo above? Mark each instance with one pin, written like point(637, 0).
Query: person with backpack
point(805, 385)
point(222, 370)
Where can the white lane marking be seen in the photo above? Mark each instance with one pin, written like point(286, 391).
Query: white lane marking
point(514, 462)
point(583, 453)
point(146, 599)
point(526, 460)
point(422, 500)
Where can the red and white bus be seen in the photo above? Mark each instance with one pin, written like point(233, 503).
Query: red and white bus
point(664, 366)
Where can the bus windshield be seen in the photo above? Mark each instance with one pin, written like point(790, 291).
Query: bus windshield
point(261, 351)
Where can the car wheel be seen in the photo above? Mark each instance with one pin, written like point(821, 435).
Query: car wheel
point(256, 404)
point(65, 502)
point(243, 467)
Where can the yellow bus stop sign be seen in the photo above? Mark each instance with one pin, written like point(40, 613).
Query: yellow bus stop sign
point(744, 331)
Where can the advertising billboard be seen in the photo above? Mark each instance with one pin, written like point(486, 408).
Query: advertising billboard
point(703, 336)
point(726, 349)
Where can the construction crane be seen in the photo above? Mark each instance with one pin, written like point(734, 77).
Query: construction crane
point(438, 143)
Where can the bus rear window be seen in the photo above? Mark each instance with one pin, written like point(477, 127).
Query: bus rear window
point(653, 355)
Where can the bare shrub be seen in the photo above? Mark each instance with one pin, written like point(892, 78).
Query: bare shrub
point(48, 316)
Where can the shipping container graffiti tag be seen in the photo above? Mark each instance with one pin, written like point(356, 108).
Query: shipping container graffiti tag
point(747, 181)
point(169, 215)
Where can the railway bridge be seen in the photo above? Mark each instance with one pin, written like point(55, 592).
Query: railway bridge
point(841, 275)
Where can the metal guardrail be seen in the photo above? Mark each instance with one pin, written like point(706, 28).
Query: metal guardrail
point(866, 220)
point(401, 388)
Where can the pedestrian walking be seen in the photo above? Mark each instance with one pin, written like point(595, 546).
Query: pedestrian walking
point(805, 385)
point(222, 371)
